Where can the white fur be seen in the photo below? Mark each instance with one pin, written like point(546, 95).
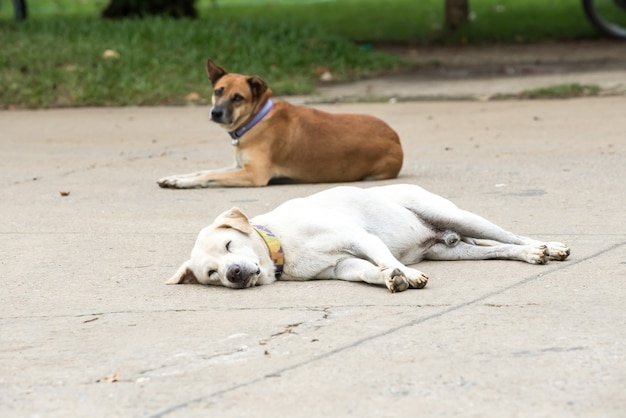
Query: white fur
point(356, 234)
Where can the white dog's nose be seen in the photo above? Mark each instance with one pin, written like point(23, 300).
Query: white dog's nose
point(242, 275)
point(234, 274)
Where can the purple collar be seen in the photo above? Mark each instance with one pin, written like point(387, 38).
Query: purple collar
point(238, 133)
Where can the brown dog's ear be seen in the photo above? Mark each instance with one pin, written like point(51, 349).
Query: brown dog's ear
point(183, 275)
point(257, 86)
point(214, 71)
point(234, 218)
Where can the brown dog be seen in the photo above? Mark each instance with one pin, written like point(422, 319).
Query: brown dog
point(283, 141)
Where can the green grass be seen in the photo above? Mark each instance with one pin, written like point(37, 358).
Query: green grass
point(58, 62)
point(421, 21)
point(55, 57)
point(416, 21)
point(561, 91)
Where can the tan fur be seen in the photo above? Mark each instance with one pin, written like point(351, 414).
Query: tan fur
point(294, 142)
point(235, 219)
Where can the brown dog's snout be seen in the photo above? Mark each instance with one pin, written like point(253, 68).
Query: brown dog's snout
point(217, 114)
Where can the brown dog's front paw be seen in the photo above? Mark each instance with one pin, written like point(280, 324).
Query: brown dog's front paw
point(167, 183)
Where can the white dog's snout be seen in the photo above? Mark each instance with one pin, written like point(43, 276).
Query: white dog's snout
point(233, 274)
point(241, 275)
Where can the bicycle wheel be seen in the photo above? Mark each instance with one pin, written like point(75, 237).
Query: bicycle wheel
point(20, 9)
point(609, 16)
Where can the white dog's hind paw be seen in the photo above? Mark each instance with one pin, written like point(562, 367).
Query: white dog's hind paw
point(536, 254)
point(557, 251)
point(396, 281)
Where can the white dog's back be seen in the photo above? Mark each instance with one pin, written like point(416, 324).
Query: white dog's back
point(374, 207)
point(392, 213)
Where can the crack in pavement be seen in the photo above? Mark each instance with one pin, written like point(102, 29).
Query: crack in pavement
point(325, 309)
point(113, 162)
point(208, 358)
point(389, 331)
point(163, 368)
point(288, 330)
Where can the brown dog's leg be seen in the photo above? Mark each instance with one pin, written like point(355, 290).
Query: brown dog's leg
point(236, 177)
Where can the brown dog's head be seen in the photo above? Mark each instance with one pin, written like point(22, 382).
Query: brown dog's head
point(236, 97)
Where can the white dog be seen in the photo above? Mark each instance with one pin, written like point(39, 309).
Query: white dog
point(353, 234)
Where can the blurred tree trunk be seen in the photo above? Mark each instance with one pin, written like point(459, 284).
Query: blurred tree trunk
point(118, 9)
point(457, 13)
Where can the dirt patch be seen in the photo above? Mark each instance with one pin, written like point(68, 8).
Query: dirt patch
point(457, 62)
point(488, 72)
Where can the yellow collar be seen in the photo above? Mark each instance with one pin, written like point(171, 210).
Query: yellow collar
point(273, 245)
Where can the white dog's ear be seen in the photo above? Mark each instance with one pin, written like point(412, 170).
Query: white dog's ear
point(183, 275)
point(234, 218)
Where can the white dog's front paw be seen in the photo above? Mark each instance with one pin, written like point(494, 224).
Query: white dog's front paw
point(557, 251)
point(396, 281)
point(416, 279)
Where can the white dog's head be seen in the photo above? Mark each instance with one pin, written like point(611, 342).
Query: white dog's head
point(228, 252)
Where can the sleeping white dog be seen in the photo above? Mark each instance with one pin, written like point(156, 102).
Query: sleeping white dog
point(353, 234)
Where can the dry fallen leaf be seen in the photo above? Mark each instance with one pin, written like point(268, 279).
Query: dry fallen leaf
point(192, 97)
point(319, 70)
point(113, 378)
point(323, 73)
point(327, 76)
point(110, 53)
point(64, 193)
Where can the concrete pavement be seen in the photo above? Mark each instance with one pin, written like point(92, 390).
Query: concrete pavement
point(88, 327)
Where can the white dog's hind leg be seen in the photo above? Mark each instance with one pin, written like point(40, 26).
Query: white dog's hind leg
point(556, 250)
point(481, 230)
point(536, 253)
point(396, 279)
point(485, 233)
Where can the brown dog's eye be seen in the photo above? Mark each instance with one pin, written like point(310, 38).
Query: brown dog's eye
point(218, 92)
point(237, 98)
